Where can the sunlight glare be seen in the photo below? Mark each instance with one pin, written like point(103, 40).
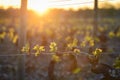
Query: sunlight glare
point(40, 6)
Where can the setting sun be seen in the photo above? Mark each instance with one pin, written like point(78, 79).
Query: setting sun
point(40, 6)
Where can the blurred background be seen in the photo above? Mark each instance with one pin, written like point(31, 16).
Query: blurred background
point(68, 23)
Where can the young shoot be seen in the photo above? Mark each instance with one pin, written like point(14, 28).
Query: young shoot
point(97, 52)
point(76, 70)
point(56, 58)
point(111, 34)
point(117, 63)
point(38, 49)
point(53, 47)
point(26, 48)
point(73, 44)
point(2, 35)
point(76, 51)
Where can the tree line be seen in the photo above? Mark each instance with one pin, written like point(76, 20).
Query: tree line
point(81, 13)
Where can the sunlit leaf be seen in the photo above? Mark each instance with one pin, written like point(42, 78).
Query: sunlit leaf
point(83, 44)
point(53, 47)
point(77, 70)
point(111, 34)
point(70, 46)
point(118, 34)
point(91, 43)
point(2, 35)
point(56, 58)
point(117, 63)
point(73, 44)
point(38, 49)
point(41, 48)
point(97, 52)
point(37, 53)
point(15, 39)
point(77, 51)
point(26, 48)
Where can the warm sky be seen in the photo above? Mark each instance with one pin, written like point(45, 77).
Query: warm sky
point(42, 5)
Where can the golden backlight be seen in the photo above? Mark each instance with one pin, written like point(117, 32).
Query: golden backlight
point(40, 6)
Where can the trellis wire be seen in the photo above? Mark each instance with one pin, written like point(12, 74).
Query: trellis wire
point(77, 3)
point(49, 53)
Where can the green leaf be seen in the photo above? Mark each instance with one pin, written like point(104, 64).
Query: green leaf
point(97, 52)
point(37, 53)
point(26, 48)
point(56, 58)
point(41, 48)
point(15, 39)
point(83, 44)
point(72, 44)
point(53, 47)
point(118, 34)
point(77, 51)
point(117, 63)
point(91, 43)
point(38, 49)
point(111, 34)
point(77, 70)
point(2, 35)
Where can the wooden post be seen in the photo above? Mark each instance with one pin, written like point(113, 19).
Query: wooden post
point(95, 24)
point(22, 39)
point(95, 17)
